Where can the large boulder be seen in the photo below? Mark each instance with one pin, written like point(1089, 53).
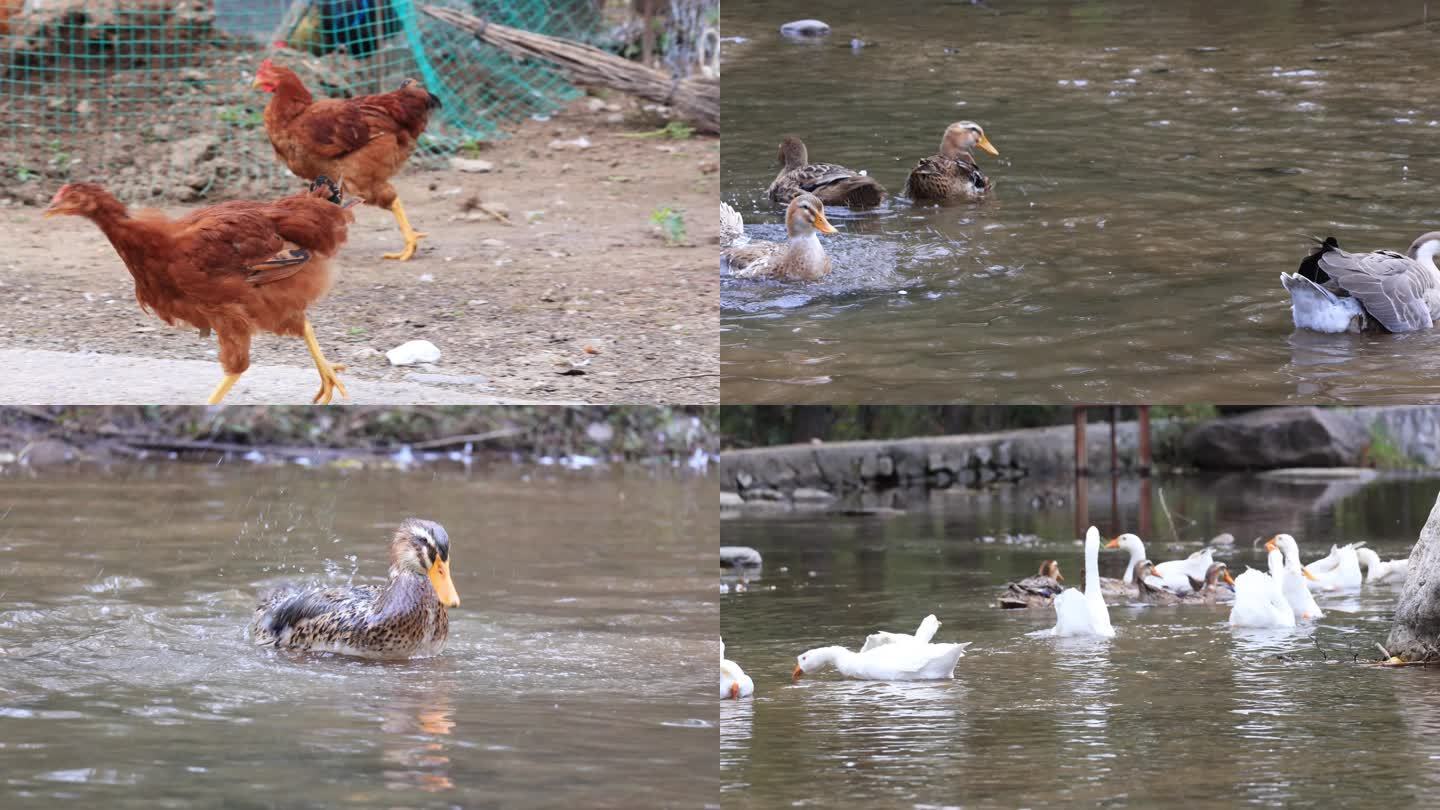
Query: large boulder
point(1415, 635)
point(1278, 437)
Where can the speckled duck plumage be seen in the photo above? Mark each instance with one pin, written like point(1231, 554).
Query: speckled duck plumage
point(406, 618)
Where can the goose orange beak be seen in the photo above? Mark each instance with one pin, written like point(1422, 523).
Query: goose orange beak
point(734, 691)
point(1308, 575)
point(1114, 543)
point(984, 143)
point(1269, 544)
point(795, 676)
point(445, 589)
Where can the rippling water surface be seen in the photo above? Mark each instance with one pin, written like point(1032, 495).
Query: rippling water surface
point(573, 675)
point(1177, 708)
point(1160, 165)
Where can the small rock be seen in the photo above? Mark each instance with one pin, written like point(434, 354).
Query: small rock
point(600, 432)
point(730, 500)
point(594, 104)
point(472, 166)
point(192, 151)
point(805, 28)
point(412, 352)
point(365, 353)
point(47, 453)
point(739, 556)
point(581, 142)
point(492, 243)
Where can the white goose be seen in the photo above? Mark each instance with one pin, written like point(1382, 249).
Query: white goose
point(734, 683)
point(1126, 585)
point(1285, 567)
point(1181, 575)
point(1084, 614)
point(1384, 291)
point(898, 658)
point(926, 631)
point(1259, 603)
point(1378, 571)
point(1344, 576)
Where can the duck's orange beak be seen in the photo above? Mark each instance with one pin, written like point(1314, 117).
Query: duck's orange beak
point(444, 588)
point(822, 224)
point(1229, 579)
point(1269, 544)
point(1059, 577)
point(984, 143)
point(795, 676)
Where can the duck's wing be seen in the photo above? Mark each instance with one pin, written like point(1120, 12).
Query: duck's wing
point(347, 608)
point(732, 227)
point(832, 183)
point(937, 177)
point(755, 260)
point(1392, 287)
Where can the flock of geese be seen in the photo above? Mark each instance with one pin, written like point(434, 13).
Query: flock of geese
point(805, 189)
point(1333, 290)
point(1279, 597)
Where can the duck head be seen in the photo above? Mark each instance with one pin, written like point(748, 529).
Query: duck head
point(793, 154)
point(962, 136)
point(806, 215)
point(423, 547)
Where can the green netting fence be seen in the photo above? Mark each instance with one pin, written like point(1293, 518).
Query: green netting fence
point(153, 97)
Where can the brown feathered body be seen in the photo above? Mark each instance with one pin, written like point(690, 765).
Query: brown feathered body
point(235, 268)
point(362, 141)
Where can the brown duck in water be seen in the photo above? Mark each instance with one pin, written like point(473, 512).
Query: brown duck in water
point(403, 619)
point(800, 258)
point(832, 184)
point(952, 174)
point(1034, 592)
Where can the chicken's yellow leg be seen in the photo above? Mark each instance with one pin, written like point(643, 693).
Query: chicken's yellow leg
point(329, 375)
point(412, 236)
point(222, 389)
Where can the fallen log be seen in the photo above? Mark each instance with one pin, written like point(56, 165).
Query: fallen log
point(696, 99)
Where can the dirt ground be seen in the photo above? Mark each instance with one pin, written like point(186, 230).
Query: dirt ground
point(581, 299)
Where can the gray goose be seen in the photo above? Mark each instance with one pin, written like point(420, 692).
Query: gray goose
point(1382, 291)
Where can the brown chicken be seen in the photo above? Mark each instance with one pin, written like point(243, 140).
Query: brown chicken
point(237, 268)
point(364, 141)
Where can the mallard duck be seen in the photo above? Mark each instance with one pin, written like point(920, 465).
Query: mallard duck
point(834, 185)
point(1034, 592)
point(800, 258)
point(405, 618)
point(1383, 291)
point(952, 174)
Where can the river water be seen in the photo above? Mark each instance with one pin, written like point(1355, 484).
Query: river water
point(1160, 165)
point(579, 669)
point(1177, 708)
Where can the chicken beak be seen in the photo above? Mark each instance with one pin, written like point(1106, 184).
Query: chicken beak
point(795, 676)
point(1228, 579)
point(444, 588)
point(1114, 543)
point(984, 143)
point(822, 224)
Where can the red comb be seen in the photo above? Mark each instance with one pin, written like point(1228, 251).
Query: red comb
point(279, 43)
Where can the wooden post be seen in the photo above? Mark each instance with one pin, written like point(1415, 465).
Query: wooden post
point(1082, 471)
point(1082, 458)
point(1144, 440)
point(1114, 447)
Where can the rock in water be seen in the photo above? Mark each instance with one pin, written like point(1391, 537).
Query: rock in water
point(1278, 437)
point(805, 28)
point(739, 557)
